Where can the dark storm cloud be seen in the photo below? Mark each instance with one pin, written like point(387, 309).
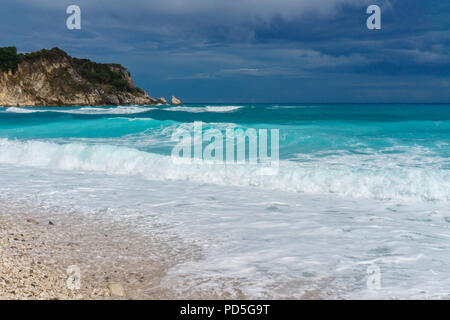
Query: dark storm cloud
point(298, 50)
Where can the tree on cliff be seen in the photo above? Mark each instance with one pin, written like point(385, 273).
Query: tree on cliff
point(9, 59)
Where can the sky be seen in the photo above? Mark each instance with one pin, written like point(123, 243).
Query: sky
point(277, 51)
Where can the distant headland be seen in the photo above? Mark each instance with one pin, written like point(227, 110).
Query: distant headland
point(53, 78)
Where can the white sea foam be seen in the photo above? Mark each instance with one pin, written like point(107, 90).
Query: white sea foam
point(378, 177)
point(125, 109)
point(276, 107)
point(220, 109)
point(86, 110)
point(19, 110)
point(262, 243)
point(113, 110)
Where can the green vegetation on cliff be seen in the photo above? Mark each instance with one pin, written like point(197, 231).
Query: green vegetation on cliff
point(103, 74)
point(51, 55)
point(53, 78)
point(108, 76)
point(9, 59)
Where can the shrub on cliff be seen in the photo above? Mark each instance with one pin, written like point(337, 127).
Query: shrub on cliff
point(99, 73)
point(51, 55)
point(9, 59)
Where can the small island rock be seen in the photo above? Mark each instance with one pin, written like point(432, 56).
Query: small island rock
point(176, 102)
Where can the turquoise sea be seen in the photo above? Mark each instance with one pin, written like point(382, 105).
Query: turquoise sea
point(358, 185)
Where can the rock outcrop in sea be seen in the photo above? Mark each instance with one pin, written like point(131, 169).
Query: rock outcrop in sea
point(162, 100)
point(53, 78)
point(176, 102)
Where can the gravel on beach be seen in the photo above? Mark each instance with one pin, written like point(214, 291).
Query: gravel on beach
point(40, 255)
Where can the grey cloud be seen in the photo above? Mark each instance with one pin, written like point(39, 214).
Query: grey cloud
point(252, 41)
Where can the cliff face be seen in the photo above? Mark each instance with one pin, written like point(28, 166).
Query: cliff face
point(53, 78)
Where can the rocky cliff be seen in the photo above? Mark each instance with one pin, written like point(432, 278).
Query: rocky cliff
point(53, 78)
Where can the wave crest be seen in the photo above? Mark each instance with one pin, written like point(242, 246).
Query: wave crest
point(350, 178)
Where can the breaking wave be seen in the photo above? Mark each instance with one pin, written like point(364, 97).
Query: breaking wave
point(344, 175)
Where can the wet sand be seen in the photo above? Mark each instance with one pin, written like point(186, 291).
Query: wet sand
point(36, 250)
point(115, 260)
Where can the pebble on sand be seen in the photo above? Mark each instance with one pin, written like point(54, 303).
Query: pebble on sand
point(116, 289)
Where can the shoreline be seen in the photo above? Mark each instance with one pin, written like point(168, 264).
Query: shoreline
point(36, 251)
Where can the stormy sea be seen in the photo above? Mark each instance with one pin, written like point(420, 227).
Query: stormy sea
point(360, 191)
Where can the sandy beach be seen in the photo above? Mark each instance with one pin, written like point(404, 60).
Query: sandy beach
point(36, 251)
